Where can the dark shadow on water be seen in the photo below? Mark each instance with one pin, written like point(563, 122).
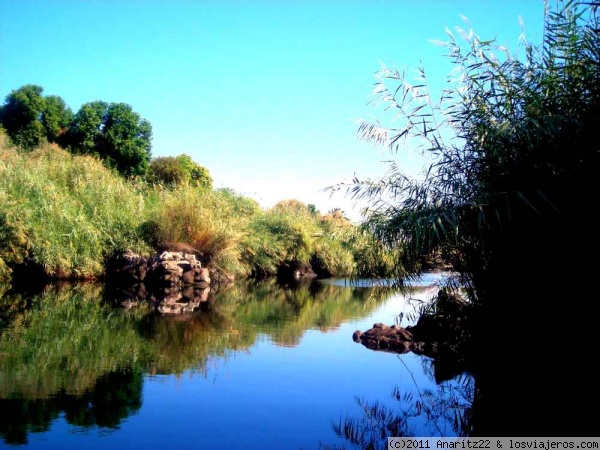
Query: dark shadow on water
point(113, 398)
point(530, 369)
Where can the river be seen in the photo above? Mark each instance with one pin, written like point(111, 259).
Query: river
point(258, 366)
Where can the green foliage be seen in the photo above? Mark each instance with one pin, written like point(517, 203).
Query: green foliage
point(20, 116)
point(115, 133)
point(514, 145)
point(166, 170)
point(198, 175)
point(56, 119)
point(67, 338)
point(176, 170)
point(29, 118)
point(203, 219)
point(280, 237)
point(65, 211)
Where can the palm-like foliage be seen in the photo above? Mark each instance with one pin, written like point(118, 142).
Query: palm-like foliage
point(513, 145)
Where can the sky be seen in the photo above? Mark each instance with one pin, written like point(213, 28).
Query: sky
point(264, 94)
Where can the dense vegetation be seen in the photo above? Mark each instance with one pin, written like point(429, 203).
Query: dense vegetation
point(515, 146)
point(65, 213)
point(111, 131)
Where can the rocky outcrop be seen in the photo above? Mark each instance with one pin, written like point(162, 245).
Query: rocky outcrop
point(446, 327)
point(296, 271)
point(173, 282)
point(167, 269)
point(176, 268)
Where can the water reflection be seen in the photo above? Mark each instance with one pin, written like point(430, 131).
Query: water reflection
point(114, 397)
point(443, 411)
point(74, 352)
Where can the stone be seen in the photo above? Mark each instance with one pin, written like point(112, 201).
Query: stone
point(203, 276)
point(188, 277)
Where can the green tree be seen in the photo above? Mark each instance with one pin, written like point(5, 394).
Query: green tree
point(115, 133)
point(56, 118)
point(29, 117)
point(177, 170)
point(21, 113)
point(198, 175)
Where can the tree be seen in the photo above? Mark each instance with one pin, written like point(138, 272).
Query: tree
point(197, 174)
point(21, 113)
point(29, 117)
point(178, 170)
point(56, 118)
point(114, 133)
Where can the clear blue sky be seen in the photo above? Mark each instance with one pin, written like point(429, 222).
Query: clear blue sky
point(264, 94)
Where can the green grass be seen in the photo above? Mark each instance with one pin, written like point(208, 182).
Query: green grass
point(67, 213)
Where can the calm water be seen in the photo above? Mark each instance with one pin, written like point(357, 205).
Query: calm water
point(259, 366)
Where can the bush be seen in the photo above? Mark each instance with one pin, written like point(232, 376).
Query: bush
point(177, 170)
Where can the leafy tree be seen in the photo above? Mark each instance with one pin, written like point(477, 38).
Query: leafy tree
point(166, 170)
point(56, 119)
point(29, 117)
point(178, 170)
point(197, 174)
point(115, 133)
point(87, 126)
point(20, 115)
point(292, 206)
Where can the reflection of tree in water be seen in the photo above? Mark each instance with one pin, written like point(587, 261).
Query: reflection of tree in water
point(284, 312)
point(115, 396)
point(443, 411)
point(63, 349)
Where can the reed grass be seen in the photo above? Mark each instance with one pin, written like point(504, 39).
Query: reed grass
point(66, 213)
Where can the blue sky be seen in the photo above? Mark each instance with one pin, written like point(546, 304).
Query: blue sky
point(265, 94)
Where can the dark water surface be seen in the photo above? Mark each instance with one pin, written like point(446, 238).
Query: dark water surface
point(259, 366)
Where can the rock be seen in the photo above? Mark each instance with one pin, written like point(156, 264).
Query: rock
point(181, 247)
point(176, 281)
point(188, 277)
point(188, 293)
point(204, 294)
point(434, 335)
point(203, 276)
point(125, 267)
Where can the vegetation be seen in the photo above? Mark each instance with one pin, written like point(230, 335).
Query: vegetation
point(115, 133)
point(177, 170)
point(65, 213)
point(514, 147)
point(111, 131)
point(29, 118)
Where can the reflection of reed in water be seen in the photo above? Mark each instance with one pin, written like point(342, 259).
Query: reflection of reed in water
point(443, 411)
